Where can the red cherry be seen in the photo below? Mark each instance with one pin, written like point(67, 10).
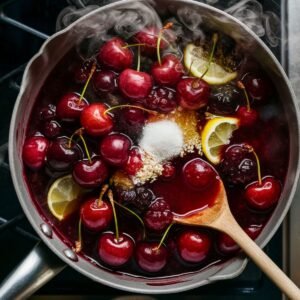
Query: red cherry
point(253, 230)
point(115, 252)
point(48, 112)
point(149, 37)
point(169, 72)
point(113, 55)
point(95, 121)
point(226, 245)
point(134, 162)
point(151, 258)
point(81, 73)
point(96, 216)
point(258, 86)
point(265, 195)
point(193, 246)
point(90, 174)
point(35, 151)
point(51, 129)
point(114, 149)
point(198, 174)
point(104, 82)
point(248, 117)
point(192, 93)
point(70, 107)
point(134, 84)
point(133, 116)
point(168, 171)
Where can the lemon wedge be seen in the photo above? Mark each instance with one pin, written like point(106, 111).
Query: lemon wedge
point(63, 196)
point(217, 133)
point(197, 63)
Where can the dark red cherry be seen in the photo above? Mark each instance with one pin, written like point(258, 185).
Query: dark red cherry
point(226, 245)
point(161, 99)
point(70, 106)
point(95, 121)
point(158, 216)
point(193, 246)
point(149, 37)
point(134, 162)
point(247, 117)
point(90, 174)
point(258, 86)
point(169, 171)
point(114, 56)
point(114, 149)
point(96, 216)
point(133, 116)
point(105, 82)
point(35, 151)
point(192, 93)
point(169, 72)
point(150, 258)
point(62, 155)
point(115, 252)
point(82, 72)
point(135, 85)
point(198, 174)
point(48, 112)
point(51, 129)
point(253, 231)
point(265, 195)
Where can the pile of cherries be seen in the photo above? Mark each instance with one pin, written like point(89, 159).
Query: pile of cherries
point(164, 88)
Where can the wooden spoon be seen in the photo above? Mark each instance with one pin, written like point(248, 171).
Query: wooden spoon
point(219, 217)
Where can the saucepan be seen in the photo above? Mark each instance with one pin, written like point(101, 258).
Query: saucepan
point(51, 255)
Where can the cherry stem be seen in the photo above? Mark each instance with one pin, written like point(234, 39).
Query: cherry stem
point(138, 67)
point(78, 243)
point(159, 38)
point(242, 87)
point(258, 164)
point(215, 40)
point(131, 106)
point(190, 68)
point(112, 202)
point(103, 191)
point(164, 236)
point(93, 69)
point(133, 45)
point(134, 214)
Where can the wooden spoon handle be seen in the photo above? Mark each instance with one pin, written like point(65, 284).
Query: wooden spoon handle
point(231, 227)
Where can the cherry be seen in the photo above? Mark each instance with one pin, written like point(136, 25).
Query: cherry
point(62, 154)
point(105, 82)
point(48, 112)
point(114, 149)
point(262, 196)
point(158, 216)
point(81, 73)
point(134, 162)
point(149, 37)
point(135, 85)
point(115, 252)
point(168, 171)
point(253, 231)
point(95, 121)
point(96, 216)
point(35, 151)
point(70, 107)
point(133, 116)
point(192, 93)
point(168, 72)
point(226, 245)
point(193, 246)
point(198, 174)
point(151, 257)
point(237, 166)
point(90, 174)
point(161, 99)
point(115, 55)
point(258, 86)
point(51, 129)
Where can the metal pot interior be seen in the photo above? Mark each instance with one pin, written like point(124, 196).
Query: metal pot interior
point(38, 70)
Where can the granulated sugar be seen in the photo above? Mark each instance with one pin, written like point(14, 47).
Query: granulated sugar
point(162, 139)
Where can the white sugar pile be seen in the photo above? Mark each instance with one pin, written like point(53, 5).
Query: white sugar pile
point(163, 139)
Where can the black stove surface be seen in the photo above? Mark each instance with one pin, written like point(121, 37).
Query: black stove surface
point(24, 25)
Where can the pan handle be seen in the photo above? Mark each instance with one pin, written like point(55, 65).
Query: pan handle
point(40, 265)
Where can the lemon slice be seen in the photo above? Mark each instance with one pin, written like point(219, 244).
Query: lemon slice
point(63, 197)
point(217, 133)
point(195, 61)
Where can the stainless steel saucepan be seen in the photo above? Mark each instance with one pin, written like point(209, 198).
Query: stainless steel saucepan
point(52, 255)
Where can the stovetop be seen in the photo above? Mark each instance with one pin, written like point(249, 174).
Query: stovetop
point(24, 25)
